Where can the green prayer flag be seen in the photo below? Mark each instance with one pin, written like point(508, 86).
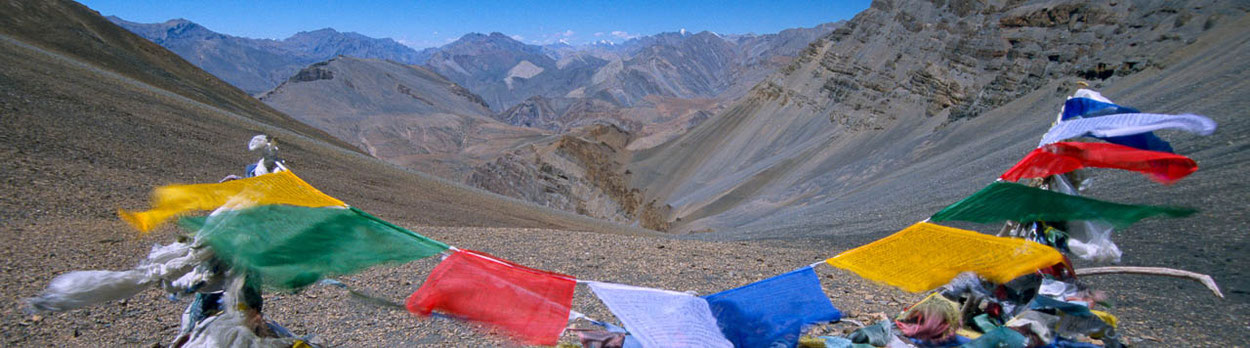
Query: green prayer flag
point(290, 247)
point(1011, 201)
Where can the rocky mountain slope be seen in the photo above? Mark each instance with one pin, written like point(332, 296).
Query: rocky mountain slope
point(93, 117)
point(583, 171)
point(651, 123)
point(96, 116)
point(403, 114)
point(257, 65)
point(897, 86)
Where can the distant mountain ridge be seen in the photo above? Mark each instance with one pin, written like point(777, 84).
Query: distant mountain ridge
point(672, 64)
point(502, 70)
point(257, 65)
point(404, 114)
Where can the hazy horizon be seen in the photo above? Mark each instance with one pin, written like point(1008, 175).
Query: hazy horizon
point(425, 25)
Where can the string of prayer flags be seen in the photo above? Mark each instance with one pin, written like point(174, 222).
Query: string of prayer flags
point(1011, 201)
point(662, 318)
point(276, 188)
point(1126, 124)
point(772, 312)
point(291, 247)
point(1063, 157)
point(530, 305)
point(925, 256)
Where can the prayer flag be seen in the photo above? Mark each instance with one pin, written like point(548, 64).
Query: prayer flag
point(925, 256)
point(290, 247)
point(1087, 107)
point(662, 318)
point(1011, 201)
point(1126, 124)
point(1063, 157)
point(530, 305)
point(276, 188)
point(772, 312)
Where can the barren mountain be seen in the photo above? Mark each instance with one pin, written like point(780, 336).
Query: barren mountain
point(404, 114)
point(257, 65)
point(898, 86)
point(507, 72)
point(698, 65)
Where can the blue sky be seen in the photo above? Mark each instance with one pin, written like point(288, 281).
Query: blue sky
point(433, 23)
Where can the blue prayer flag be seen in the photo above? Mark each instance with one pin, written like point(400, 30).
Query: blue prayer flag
point(1086, 107)
point(772, 311)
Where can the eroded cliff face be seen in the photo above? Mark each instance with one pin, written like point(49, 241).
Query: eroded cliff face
point(958, 59)
point(582, 172)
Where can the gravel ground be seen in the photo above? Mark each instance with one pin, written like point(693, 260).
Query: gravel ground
point(76, 143)
point(339, 319)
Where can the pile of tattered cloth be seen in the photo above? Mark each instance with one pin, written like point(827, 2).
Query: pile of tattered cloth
point(1046, 309)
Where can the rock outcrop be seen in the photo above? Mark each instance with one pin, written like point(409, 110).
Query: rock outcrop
point(583, 171)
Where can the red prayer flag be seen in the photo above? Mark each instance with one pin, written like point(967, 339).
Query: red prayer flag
point(531, 305)
point(1063, 157)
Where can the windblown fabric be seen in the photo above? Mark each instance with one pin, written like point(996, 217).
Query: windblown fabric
point(1063, 157)
point(1011, 201)
point(1094, 105)
point(173, 266)
point(1087, 107)
point(290, 247)
point(772, 312)
point(1126, 124)
point(662, 318)
point(925, 256)
point(530, 305)
point(277, 188)
point(1087, 239)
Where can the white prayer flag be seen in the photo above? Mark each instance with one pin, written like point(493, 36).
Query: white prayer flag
point(1126, 124)
point(662, 318)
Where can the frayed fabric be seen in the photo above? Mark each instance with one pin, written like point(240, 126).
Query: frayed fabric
point(172, 266)
point(1120, 125)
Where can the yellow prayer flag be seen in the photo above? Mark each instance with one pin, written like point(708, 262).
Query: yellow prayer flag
point(925, 256)
point(276, 188)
